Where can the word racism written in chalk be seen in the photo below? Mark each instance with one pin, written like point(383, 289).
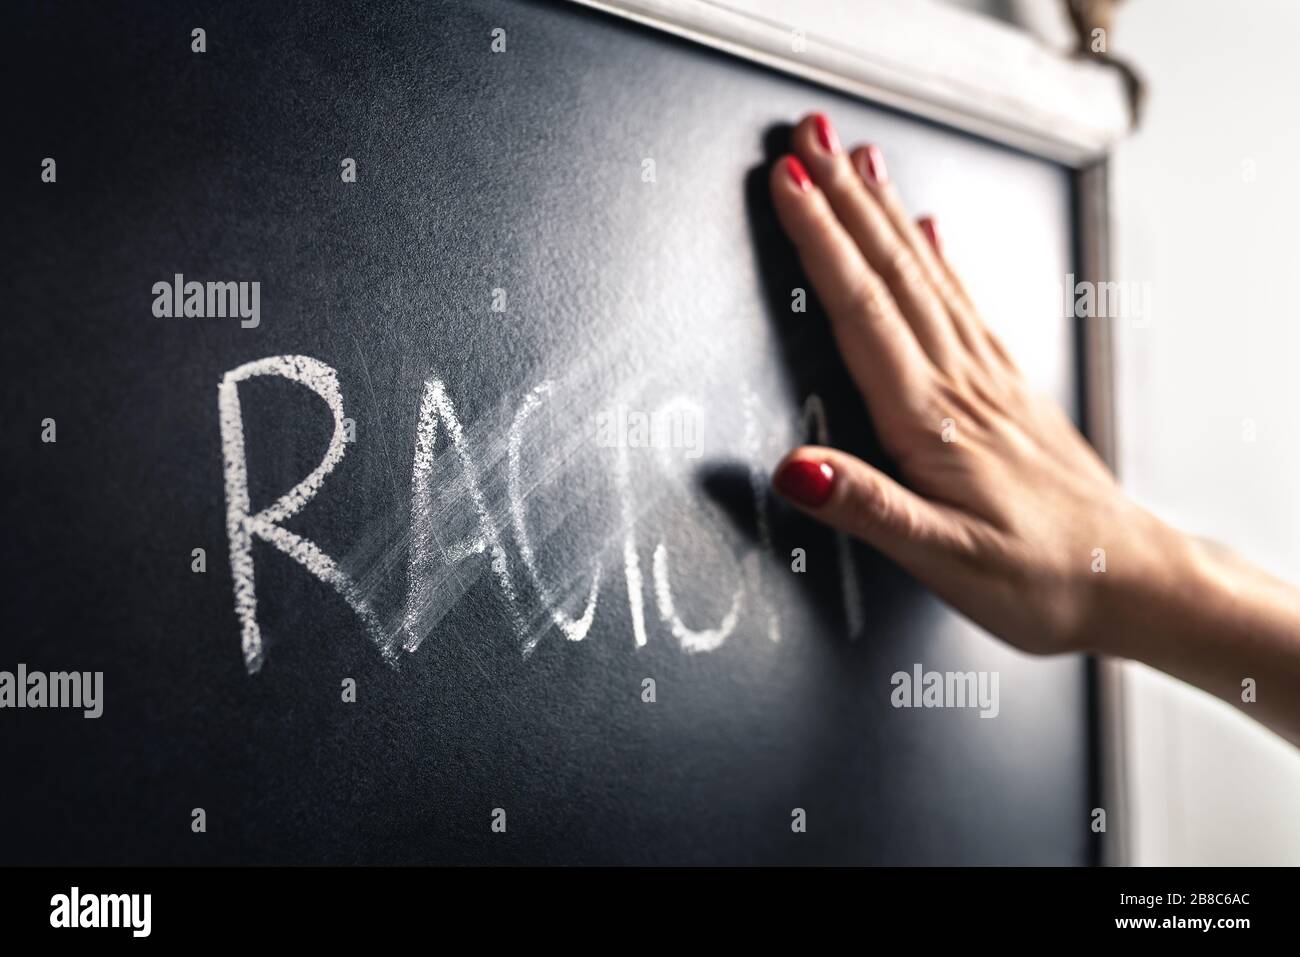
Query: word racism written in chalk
point(438, 422)
point(179, 299)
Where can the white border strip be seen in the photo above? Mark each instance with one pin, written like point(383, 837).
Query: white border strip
point(918, 56)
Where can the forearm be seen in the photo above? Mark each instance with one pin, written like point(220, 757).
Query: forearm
point(1204, 615)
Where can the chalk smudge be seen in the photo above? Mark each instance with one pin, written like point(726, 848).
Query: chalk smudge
point(814, 422)
point(572, 629)
point(435, 406)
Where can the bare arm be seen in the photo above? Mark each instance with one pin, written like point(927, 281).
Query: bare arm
point(1006, 511)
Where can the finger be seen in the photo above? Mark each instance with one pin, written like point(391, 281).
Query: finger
point(851, 496)
point(869, 162)
point(815, 142)
point(968, 319)
point(876, 343)
point(949, 551)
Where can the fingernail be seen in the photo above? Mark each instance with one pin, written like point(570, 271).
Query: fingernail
point(804, 482)
point(874, 166)
point(798, 173)
point(826, 133)
point(931, 231)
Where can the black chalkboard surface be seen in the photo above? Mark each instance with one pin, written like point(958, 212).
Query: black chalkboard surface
point(555, 317)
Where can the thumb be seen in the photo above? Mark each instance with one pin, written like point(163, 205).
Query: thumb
point(849, 495)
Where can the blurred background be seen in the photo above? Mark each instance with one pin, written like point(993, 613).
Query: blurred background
point(1202, 199)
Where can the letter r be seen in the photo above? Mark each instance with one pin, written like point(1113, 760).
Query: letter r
point(242, 526)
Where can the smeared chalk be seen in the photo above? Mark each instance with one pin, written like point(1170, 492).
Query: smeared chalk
point(631, 560)
point(814, 422)
point(573, 629)
point(435, 406)
point(241, 527)
point(758, 483)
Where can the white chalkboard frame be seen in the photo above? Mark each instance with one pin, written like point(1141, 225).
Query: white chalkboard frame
point(978, 75)
point(943, 63)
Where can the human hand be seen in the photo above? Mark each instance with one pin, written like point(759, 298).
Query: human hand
point(1005, 503)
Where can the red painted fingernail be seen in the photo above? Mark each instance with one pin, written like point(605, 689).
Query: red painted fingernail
point(805, 482)
point(874, 166)
point(798, 173)
point(826, 133)
point(931, 231)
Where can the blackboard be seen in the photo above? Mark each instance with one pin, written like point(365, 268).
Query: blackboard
point(544, 242)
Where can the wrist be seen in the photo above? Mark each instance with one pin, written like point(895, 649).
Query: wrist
point(1156, 582)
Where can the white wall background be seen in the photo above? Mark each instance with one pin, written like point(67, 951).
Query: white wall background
point(1206, 197)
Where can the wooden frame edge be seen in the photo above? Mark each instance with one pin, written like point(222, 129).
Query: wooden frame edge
point(942, 63)
point(1096, 339)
